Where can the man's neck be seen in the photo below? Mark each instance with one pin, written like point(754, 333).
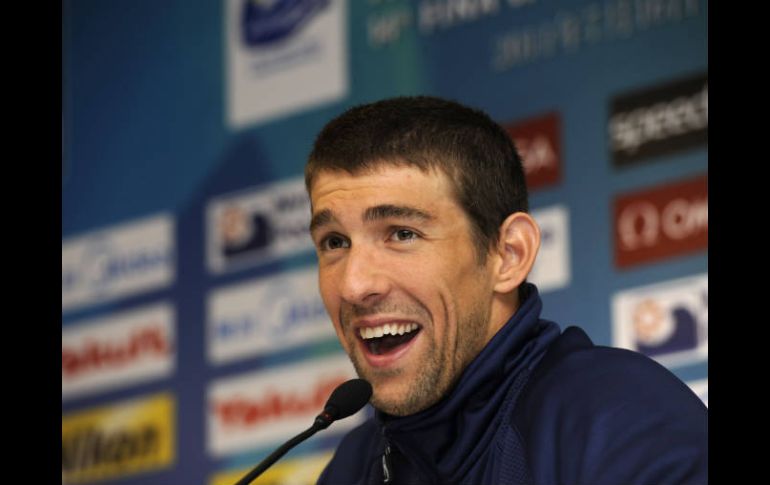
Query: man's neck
point(504, 306)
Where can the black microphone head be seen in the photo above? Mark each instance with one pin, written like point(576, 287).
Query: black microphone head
point(348, 398)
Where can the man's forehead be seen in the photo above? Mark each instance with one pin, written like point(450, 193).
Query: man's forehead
point(387, 191)
point(376, 173)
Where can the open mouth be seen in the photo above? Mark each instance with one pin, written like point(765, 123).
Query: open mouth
point(387, 338)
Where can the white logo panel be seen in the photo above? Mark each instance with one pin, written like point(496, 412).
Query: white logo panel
point(283, 57)
point(552, 268)
point(266, 407)
point(666, 321)
point(119, 261)
point(266, 315)
point(258, 225)
point(118, 350)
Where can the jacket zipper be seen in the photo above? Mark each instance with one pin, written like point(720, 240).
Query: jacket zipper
point(387, 467)
point(387, 472)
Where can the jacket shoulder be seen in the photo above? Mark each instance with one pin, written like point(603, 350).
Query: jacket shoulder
point(607, 415)
point(600, 377)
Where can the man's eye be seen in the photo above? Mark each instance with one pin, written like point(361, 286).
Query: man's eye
point(404, 235)
point(334, 242)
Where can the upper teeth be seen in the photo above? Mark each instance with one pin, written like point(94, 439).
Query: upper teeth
point(387, 329)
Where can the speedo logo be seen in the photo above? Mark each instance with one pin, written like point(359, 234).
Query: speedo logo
point(659, 121)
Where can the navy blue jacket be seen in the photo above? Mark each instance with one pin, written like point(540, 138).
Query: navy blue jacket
point(540, 407)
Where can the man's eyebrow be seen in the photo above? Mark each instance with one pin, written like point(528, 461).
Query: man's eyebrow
point(389, 210)
point(321, 219)
point(375, 213)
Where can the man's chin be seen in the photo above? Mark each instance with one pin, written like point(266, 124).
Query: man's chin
point(391, 407)
point(397, 390)
point(401, 402)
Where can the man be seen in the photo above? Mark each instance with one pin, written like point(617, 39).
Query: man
point(419, 217)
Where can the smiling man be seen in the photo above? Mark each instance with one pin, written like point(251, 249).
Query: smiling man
point(419, 218)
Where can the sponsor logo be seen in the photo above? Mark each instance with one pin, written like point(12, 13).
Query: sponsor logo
point(303, 470)
point(118, 440)
point(257, 226)
point(118, 261)
point(666, 321)
point(538, 141)
point(296, 50)
point(658, 121)
point(270, 21)
point(262, 408)
point(117, 351)
point(266, 315)
point(701, 388)
point(662, 222)
point(552, 268)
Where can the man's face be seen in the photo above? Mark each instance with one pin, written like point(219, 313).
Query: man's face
point(399, 276)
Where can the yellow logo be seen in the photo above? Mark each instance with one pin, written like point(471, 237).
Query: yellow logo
point(304, 470)
point(120, 439)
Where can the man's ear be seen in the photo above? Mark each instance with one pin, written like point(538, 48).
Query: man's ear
point(517, 247)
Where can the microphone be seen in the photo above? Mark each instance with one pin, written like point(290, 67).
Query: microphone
point(347, 399)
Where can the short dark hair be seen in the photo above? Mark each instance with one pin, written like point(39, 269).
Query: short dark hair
point(428, 132)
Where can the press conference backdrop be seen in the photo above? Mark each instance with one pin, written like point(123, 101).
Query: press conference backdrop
point(194, 341)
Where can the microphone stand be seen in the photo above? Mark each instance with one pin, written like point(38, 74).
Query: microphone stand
point(322, 421)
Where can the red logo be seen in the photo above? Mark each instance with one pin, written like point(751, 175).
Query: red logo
point(660, 223)
point(538, 143)
point(101, 355)
point(273, 405)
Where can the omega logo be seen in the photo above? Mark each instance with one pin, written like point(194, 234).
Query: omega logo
point(641, 224)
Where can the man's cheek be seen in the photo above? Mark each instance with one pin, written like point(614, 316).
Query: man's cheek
point(341, 335)
point(328, 301)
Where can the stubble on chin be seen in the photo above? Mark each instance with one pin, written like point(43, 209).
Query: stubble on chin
point(432, 376)
point(418, 391)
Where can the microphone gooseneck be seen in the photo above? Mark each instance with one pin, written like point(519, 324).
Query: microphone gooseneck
point(347, 399)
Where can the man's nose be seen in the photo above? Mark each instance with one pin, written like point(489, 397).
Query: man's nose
point(364, 279)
